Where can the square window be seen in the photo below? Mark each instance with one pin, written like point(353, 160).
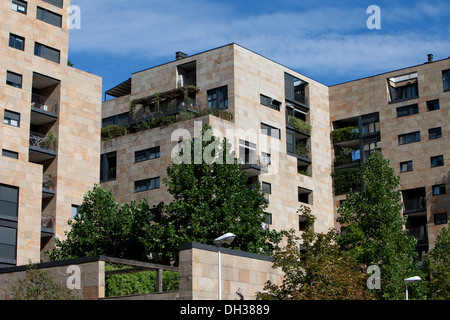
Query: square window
point(435, 133)
point(406, 166)
point(14, 79)
point(439, 190)
point(12, 118)
point(218, 98)
point(437, 161)
point(16, 42)
point(440, 218)
point(19, 6)
point(304, 195)
point(433, 105)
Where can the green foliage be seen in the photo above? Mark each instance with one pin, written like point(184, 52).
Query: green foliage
point(113, 131)
point(138, 282)
point(345, 134)
point(375, 228)
point(321, 272)
point(210, 199)
point(300, 125)
point(105, 228)
point(346, 179)
point(37, 285)
point(302, 149)
point(437, 266)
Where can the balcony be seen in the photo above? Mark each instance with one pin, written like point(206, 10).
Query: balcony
point(42, 147)
point(414, 201)
point(48, 186)
point(300, 126)
point(43, 110)
point(255, 167)
point(420, 233)
point(346, 158)
point(48, 227)
point(346, 179)
point(346, 137)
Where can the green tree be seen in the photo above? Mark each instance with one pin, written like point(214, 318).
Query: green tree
point(38, 285)
point(319, 272)
point(437, 266)
point(102, 227)
point(375, 228)
point(210, 199)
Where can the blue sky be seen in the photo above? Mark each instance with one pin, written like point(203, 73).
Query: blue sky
point(325, 40)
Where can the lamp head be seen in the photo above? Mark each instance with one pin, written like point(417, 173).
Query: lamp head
point(225, 239)
point(411, 280)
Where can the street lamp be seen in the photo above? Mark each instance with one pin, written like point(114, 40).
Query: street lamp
point(410, 280)
point(225, 239)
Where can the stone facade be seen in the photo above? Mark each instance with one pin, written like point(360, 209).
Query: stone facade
point(53, 99)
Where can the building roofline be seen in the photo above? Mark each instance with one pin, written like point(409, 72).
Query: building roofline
point(387, 72)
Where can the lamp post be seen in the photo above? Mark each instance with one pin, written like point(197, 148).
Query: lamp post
point(410, 280)
point(225, 239)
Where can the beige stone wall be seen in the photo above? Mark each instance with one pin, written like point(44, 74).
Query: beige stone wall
point(371, 95)
point(241, 272)
point(77, 128)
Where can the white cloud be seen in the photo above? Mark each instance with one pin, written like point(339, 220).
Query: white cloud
point(318, 40)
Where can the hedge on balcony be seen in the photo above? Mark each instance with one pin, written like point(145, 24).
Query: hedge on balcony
point(345, 134)
point(300, 125)
point(346, 179)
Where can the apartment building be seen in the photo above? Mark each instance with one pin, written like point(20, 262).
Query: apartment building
point(50, 133)
point(405, 114)
point(280, 121)
point(317, 136)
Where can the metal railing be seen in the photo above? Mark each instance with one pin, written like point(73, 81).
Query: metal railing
point(169, 107)
point(46, 142)
point(44, 103)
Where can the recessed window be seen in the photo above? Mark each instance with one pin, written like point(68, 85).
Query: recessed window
point(271, 103)
point(49, 17)
point(108, 165)
point(270, 131)
point(12, 118)
point(265, 158)
point(305, 223)
point(10, 154)
point(16, 42)
point(218, 98)
point(148, 154)
point(9, 199)
point(19, 6)
point(439, 190)
point(407, 110)
point(435, 133)
point(8, 243)
point(440, 218)
point(58, 3)
point(268, 221)
point(148, 184)
point(304, 195)
point(46, 52)
point(437, 161)
point(75, 211)
point(14, 79)
point(266, 188)
point(371, 123)
point(446, 79)
point(403, 87)
point(406, 166)
point(409, 138)
point(433, 105)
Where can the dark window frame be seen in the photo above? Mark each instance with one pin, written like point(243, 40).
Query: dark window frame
point(55, 3)
point(440, 188)
point(217, 98)
point(10, 154)
point(440, 218)
point(19, 4)
point(407, 111)
point(11, 78)
point(49, 17)
point(266, 187)
point(10, 116)
point(11, 203)
point(14, 39)
point(446, 80)
point(433, 105)
point(41, 50)
point(108, 166)
point(435, 133)
point(408, 138)
point(409, 166)
point(269, 129)
point(147, 185)
point(437, 161)
point(147, 154)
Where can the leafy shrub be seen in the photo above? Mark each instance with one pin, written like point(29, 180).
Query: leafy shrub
point(346, 179)
point(300, 125)
point(345, 134)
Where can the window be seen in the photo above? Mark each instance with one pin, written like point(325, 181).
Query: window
point(16, 42)
point(108, 164)
point(268, 221)
point(117, 120)
point(12, 118)
point(446, 79)
point(19, 6)
point(266, 188)
point(8, 241)
point(435, 133)
point(145, 185)
point(14, 79)
point(75, 211)
point(271, 103)
point(247, 152)
point(148, 154)
point(58, 3)
point(437, 161)
point(10, 154)
point(9, 199)
point(371, 123)
point(304, 195)
point(304, 223)
point(295, 89)
point(45, 52)
point(409, 138)
point(407, 110)
point(49, 17)
point(265, 158)
point(218, 98)
point(440, 218)
point(433, 105)
point(406, 166)
point(403, 87)
point(270, 131)
point(369, 147)
point(439, 190)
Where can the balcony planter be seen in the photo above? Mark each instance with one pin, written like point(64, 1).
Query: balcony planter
point(300, 125)
point(346, 179)
point(345, 134)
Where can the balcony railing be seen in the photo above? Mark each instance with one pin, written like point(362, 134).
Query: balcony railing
point(44, 103)
point(414, 205)
point(45, 142)
point(345, 134)
point(420, 233)
point(49, 182)
point(169, 107)
point(299, 124)
point(48, 224)
point(301, 98)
